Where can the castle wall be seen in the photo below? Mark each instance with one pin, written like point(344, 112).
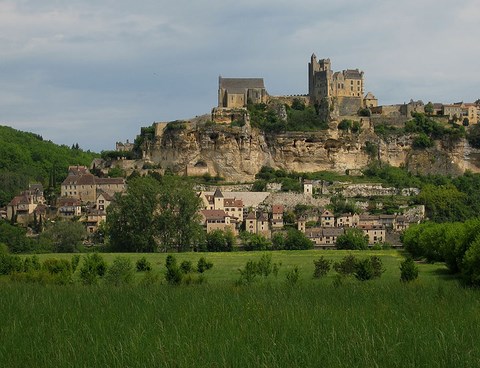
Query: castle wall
point(349, 105)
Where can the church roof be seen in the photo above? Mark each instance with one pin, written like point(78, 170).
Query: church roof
point(218, 193)
point(232, 84)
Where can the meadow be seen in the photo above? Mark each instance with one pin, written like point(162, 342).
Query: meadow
point(432, 322)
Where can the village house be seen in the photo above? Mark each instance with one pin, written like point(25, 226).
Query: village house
point(277, 216)
point(375, 233)
point(82, 185)
point(69, 207)
point(218, 220)
point(22, 207)
point(324, 237)
point(347, 220)
point(103, 200)
point(327, 219)
point(93, 219)
point(233, 207)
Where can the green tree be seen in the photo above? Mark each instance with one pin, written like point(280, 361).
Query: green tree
point(65, 236)
point(177, 219)
point(131, 225)
point(429, 108)
point(297, 240)
point(219, 241)
point(352, 239)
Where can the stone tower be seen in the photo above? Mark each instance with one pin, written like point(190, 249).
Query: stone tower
point(341, 91)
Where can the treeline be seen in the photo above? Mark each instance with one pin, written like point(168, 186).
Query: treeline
point(455, 243)
point(26, 157)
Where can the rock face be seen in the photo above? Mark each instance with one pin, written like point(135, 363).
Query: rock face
point(238, 153)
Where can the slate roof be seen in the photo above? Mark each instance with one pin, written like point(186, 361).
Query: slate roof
point(239, 84)
point(352, 74)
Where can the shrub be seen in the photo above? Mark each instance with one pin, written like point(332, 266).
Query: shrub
point(203, 265)
point(173, 275)
point(9, 264)
point(264, 265)
point(364, 270)
point(322, 266)
point(347, 266)
point(186, 266)
point(408, 270)
point(345, 124)
point(377, 265)
point(293, 276)
point(121, 272)
point(3, 248)
point(56, 266)
point(143, 265)
point(248, 273)
point(94, 266)
point(471, 264)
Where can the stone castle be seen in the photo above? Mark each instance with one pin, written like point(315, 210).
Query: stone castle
point(342, 92)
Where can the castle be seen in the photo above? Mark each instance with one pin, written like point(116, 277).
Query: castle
point(343, 91)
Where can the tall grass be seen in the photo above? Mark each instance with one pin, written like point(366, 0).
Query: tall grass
point(311, 324)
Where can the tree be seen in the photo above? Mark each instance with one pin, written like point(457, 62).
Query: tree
point(131, 218)
point(65, 236)
point(429, 108)
point(177, 219)
point(352, 239)
point(255, 242)
point(154, 214)
point(297, 240)
point(219, 241)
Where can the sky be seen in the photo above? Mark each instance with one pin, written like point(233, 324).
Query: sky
point(94, 71)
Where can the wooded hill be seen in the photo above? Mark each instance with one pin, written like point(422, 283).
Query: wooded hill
point(26, 158)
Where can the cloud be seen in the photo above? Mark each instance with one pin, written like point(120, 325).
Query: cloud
point(93, 72)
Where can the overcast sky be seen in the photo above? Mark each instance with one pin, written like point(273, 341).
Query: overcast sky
point(95, 71)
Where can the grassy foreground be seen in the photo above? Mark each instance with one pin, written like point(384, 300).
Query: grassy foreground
point(315, 323)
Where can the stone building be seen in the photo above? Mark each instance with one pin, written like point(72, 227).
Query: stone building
point(343, 90)
point(236, 92)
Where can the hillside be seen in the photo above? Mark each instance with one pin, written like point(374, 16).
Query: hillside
point(26, 158)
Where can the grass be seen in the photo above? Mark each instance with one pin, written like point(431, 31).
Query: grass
point(382, 323)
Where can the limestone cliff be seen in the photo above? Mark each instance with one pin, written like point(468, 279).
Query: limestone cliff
point(238, 153)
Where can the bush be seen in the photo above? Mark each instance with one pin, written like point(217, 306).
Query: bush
point(186, 266)
point(173, 275)
point(364, 270)
point(471, 264)
point(248, 273)
point(143, 265)
point(56, 266)
point(264, 265)
point(121, 272)
point(377, 265)
point(322, 266)
point(203, 265)
point(408, 270)
point(94, 266)
point(347, 266)
point(293, 276)
point(9, 264)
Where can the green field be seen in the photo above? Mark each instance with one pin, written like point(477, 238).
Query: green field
point(432, 322)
